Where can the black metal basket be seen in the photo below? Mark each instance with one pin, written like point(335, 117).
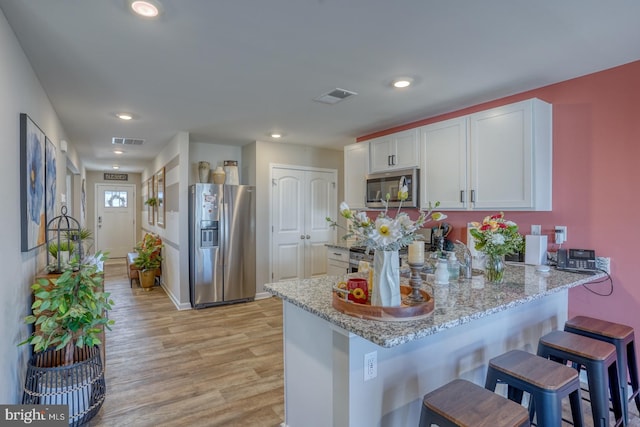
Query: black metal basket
point(80, 385)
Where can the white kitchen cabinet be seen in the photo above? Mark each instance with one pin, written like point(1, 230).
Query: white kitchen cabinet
point(337, 261)
point(400, 150)
point(444, 172)
point(498, 159)
point(356, 168)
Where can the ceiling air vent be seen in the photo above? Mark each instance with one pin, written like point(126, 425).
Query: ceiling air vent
point(334, 96)
point(127, 141)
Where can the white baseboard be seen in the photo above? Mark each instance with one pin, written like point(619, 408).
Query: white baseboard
point(174, 300)
point(263, 295)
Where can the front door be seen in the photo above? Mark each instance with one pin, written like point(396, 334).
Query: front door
point(115, 220)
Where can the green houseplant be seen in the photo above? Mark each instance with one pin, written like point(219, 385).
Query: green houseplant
point(151, 201)
point(69, 314)
point(69, 311)
point(149, 260)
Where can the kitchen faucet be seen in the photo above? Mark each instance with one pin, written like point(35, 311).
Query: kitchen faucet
point(467, 260)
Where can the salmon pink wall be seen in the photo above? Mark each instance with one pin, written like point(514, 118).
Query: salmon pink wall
point(596, 179)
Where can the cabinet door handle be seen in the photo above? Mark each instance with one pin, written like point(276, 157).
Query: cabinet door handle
point(461, 196)
point(393, 159)
point(473, 196)
point(389, 161)
point(337, 254)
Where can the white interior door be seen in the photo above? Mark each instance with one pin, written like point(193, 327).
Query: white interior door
point(301, 201)
point(115, 219)
point(320, 203)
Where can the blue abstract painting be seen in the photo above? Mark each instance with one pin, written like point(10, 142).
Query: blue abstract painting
point(32, 181)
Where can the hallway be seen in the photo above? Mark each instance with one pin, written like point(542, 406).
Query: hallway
point(220, 366)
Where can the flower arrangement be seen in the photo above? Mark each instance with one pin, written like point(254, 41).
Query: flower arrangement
point(496, 236)
point(386, 233)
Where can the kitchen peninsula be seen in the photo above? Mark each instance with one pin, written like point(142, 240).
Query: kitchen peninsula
point(472, 321)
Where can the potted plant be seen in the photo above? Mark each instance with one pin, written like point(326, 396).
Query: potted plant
point(81, 236)
point(69, 314)
point(148, 261)
point(151, 201)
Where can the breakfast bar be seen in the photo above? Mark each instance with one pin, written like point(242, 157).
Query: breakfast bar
point(472, 321)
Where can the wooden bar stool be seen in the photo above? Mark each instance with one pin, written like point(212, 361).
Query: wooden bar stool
point(461, 403)
point(598, 359)
point(622, 337)
point(547, 383)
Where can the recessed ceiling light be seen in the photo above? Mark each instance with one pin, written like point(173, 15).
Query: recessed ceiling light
point(124, 116)
point(118, 152)
point(402, 82)
point(146, 8)
point(116, 167)
point(276, 135)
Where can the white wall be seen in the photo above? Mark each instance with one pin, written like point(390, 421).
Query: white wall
point(215, 154)
point(21, 93)
point(175, 267)
point(264, 153)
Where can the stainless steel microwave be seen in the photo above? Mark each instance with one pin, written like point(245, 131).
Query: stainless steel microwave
point(381, 184)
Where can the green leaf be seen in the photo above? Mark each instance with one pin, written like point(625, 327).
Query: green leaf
point(42, 295)
point(29, 319)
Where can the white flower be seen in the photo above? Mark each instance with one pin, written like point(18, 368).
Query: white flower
point(362, 218)
point(497, 239)
point(438, 216)
point(345, 211)
point(387, 231)
point(405, 222)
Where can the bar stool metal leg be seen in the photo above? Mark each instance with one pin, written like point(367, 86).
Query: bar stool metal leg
point(599, 359)
point(622, 337)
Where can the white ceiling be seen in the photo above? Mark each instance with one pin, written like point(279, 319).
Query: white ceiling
point(231, 71)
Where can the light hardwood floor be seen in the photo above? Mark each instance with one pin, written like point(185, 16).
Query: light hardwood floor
point(219, 366)
point(214, 367)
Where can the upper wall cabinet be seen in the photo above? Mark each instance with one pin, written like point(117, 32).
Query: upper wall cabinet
point(356, 168)
point(498, 159)
point(443, 175)
point(396, 151)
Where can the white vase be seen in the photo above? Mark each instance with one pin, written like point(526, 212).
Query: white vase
point(218, 175)
point(386, 279)
point(203, 171)
point(231, 171)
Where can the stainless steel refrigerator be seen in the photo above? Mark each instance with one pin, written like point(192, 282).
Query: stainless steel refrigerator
point(222, 254)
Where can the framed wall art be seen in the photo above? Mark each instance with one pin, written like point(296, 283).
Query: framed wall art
point(159, 193)
point(150, 194)
point(32, 184)
point(50, 180)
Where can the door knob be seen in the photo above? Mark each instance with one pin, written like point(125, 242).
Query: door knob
point(308, 237)
point(302, 236)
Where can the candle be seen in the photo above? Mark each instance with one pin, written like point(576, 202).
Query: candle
point(416, 253)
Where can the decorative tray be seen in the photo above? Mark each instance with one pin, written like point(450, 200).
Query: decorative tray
point(399, 313)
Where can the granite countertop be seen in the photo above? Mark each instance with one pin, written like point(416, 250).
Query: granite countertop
point(455, 304)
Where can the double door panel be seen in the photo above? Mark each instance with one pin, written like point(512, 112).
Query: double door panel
point(301, 202)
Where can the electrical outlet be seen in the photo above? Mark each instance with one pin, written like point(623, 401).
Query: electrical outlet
point(536, 230)
point(561, 234)
point(603, 263)
point(370, 365)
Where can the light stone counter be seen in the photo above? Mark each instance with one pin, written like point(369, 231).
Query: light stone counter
point(326, 382)
point(455, 304)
